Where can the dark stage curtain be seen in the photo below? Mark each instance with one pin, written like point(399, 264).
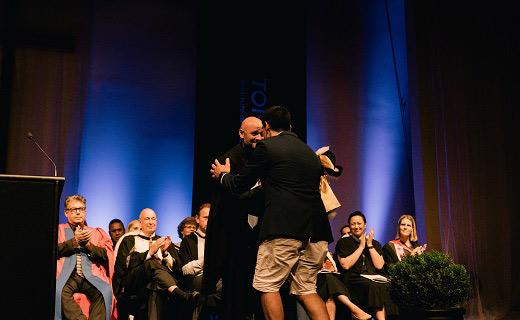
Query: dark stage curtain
point(46, 86)
point(467, 94)
point(46, 100)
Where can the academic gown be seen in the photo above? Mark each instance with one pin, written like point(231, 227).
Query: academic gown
point(231, 243)
point(98, 274)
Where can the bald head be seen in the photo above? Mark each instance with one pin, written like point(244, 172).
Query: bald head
point(251, 131)
point(148, 220)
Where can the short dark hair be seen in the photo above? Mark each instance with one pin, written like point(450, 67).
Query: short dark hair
point(278, 117)
point(357, 213)
point(343, 227)
point(186, 221)
point(116, 221)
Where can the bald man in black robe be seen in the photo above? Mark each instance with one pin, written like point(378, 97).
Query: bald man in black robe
point(232, 236)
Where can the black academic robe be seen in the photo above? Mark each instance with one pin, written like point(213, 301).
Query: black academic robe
point(231, 244)
point(132, 288)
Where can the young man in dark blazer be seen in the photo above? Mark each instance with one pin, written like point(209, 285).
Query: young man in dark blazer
point(295, 230)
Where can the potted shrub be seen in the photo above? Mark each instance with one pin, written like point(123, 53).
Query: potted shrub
point(429, 286)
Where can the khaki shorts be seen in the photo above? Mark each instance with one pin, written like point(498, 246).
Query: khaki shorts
point(279, 258)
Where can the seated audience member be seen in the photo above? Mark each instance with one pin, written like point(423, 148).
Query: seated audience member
point(345, 231)
point(330, 288)
point(133, 228)
point(116, 229)
point(147, 269)
point(192, 248)
point(191, 253)
point(361, 255)
point(134, 225)
point(405, 242)
point(185, 228)
point(85, 260)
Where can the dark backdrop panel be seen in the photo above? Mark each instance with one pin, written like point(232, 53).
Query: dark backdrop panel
point(31, 207)
point(250, 56)
point(6, 71)
point(42, 88)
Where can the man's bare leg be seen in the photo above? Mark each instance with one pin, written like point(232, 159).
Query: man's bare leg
point(314, 306)
point(272, 305)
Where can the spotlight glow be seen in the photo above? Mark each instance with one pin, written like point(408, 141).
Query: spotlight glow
point(383, 137)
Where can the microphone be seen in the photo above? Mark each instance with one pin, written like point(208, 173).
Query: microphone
point(29, 136)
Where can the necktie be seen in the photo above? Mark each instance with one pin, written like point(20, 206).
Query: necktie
point(79, 269)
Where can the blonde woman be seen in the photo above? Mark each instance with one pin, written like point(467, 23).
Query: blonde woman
point(405, 242)
point(134, 225)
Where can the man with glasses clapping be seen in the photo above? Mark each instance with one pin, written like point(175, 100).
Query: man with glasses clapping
point(85, 265)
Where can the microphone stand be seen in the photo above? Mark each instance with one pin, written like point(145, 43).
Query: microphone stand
point(30, 137)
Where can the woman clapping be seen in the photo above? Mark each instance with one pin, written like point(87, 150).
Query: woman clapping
point(405, 242)
point(361, 260)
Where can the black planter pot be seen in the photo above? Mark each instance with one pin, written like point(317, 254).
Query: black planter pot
point(449, 314)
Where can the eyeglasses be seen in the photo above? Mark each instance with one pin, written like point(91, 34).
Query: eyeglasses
point(79, 209)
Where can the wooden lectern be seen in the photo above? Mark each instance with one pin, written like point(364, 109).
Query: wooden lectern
point(29, 206)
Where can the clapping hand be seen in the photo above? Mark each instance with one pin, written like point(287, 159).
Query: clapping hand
point(167, 242)
point(370, 237)
point(154, 247)
point(82, 236)
point(362, 241)
point(217, 168)
point(418, 250)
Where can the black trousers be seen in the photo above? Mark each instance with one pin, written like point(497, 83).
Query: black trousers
point(145, 291)
point(71, 310)
point(155, 270)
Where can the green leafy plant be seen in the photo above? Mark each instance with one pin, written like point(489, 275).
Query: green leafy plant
point(430, 281)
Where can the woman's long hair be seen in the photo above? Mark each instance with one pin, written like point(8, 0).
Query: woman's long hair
point(413, 236)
